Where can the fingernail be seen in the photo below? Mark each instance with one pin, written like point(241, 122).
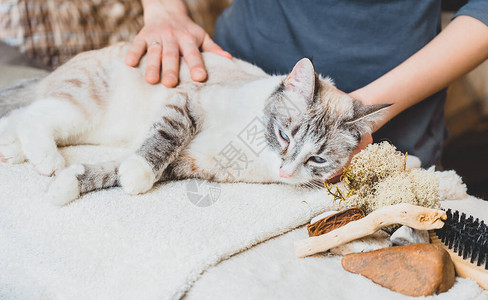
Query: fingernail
point(199, 74)
point(227, 54)
point(152, 76)
point(130, 60)
point(169, 80)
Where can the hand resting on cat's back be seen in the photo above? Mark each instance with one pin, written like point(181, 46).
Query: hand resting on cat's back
point(241, 125)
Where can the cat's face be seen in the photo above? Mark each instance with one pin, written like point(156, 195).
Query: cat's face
point(313, 127)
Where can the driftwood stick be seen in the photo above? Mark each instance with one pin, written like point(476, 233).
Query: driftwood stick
point(405, 214)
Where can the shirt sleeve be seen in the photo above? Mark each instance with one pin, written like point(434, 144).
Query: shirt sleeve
point(477, 9)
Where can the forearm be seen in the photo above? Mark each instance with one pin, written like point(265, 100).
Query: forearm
point(459, 48)
point(158, 8)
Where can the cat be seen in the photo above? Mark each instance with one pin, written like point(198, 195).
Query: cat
point(240, 125)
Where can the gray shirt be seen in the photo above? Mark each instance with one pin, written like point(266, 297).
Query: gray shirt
point(352, 41)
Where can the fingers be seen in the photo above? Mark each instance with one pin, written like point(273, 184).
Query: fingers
point(135, 53)
point(210, 46)
point(163, 42)
point(335, 178)
point(153, 66)
point(171, 61)
point(193, 58)
point(363, 143)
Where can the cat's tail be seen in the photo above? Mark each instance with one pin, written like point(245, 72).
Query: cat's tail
point(75, 180)
point(19, 95)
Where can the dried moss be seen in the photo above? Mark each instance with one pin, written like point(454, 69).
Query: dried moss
point(372, 164)
point(377, 177)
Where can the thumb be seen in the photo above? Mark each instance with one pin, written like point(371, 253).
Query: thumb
point(209, 45)
point(365, 141)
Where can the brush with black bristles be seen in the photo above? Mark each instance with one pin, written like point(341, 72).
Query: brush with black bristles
point(466, 240)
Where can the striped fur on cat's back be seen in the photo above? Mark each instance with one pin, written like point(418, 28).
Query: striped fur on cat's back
point(305, 127)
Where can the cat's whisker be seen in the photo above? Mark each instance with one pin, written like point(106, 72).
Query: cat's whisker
point(311, 185)
point(316, 184)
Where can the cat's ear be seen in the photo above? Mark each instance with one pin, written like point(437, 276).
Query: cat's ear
point(301, 80)
point(365, 115)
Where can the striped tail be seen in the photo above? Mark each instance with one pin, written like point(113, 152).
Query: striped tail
point(20, 95)
point(75, 180)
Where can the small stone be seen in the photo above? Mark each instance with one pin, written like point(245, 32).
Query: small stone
point(406, 235)
point(375, 241)
point(413, 270)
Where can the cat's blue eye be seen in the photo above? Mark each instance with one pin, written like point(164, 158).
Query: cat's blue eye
point(317, 159)
point(284, 136)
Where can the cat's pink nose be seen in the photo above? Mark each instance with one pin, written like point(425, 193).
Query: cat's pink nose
point(284, 174)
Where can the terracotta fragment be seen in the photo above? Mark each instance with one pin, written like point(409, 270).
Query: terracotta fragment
point(413, 270)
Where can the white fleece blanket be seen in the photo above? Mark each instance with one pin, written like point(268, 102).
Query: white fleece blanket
point(109, 245)
point(270, 270)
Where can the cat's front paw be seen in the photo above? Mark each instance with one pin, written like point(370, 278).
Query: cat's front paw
point(65, 186)
point(44, 158)
point(49, 163)
point(10, 149)
point(136, 175)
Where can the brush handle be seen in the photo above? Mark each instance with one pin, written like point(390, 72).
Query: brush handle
point(463, 267)
point(405, 214)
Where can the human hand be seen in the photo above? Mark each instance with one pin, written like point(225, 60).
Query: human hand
point(166, 35)
point(366, 140)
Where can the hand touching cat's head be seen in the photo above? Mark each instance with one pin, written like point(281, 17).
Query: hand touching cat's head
point(313, 127)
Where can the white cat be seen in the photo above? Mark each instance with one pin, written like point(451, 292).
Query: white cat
point(239, 125)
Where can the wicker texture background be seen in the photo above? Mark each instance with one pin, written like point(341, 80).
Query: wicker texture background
point(53, 31)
